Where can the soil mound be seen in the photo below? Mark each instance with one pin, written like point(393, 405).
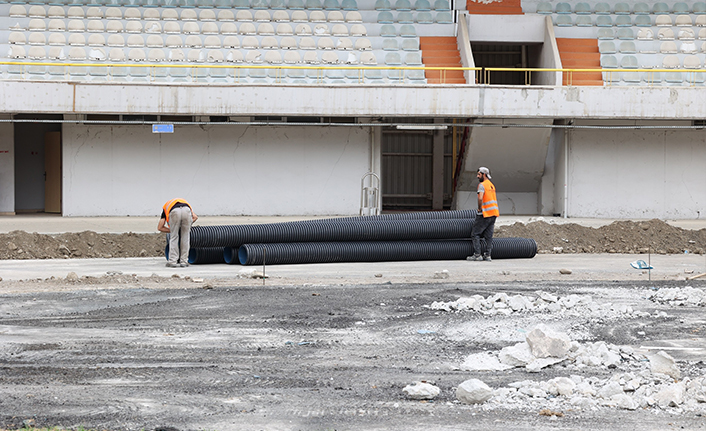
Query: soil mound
point(653, 236)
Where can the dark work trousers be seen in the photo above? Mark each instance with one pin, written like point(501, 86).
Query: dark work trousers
point(483, 227)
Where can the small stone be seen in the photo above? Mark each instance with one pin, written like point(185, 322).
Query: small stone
point(441, 274)
point(421, 391)
point(378, 275)
point(11, 246)
point(564, 271)
point(197, 280)
point(143, 253)
point(473, 391)
point(72, 277)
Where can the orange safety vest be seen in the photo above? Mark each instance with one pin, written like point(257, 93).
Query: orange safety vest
point(490, 200)
point(170, 204)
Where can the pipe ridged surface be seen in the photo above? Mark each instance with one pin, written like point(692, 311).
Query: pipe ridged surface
point(355, 230)
point(200, 255)
point(230, 254)
point(379, 251)
point(421, 215)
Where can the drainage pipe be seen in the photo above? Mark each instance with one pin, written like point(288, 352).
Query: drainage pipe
point(356, 230)
point(380, 251)
point(201, 255)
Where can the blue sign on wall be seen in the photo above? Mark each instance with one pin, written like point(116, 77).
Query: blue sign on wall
point(163, 128)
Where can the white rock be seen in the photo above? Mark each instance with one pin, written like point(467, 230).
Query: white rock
point(473, 391)
point(421, 391)
point(700, 390)
point(533, 392)
point(624, 401)
point(583, 402)
point(518, 355)
point(442, 274)
point(484, 361)
point(466, 303)
point(540, 363)
point(671, 396)
point(561, 386)
point(610, 390)
point(585, 388)
point(545, 342)
point(546, 296)
point(519, 303)
point(662, 362)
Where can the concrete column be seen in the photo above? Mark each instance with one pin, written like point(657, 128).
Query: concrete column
point(437, 183)
point(7, 168)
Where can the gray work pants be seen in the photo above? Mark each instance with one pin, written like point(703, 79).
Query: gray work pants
point(483, 227)
point(179, 234)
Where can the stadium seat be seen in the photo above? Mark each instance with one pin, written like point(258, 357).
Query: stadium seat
point(665, 33)
point(563, 8)
point(36, 39)
point(621, 9)
point(225, 15)
point(247, 28)
point(349, 5)
point(403, 5)
point(670, 62)
point(584, 21)
point(329, 57)
point(344, 43)
point(136, 27)
point(609, 61)
point(206, 28)
point(405, 17)
point(643, 21)
point(288, 42)
point(623, 21)
point(291, 57)
point(213, 42)
point(582, 8)
point(425, 18)
point(628, 62)
point(273, 57)
point(444, 18)
point(172, 41)
point(195, 56)
point(699, 8)
point(702, 34)
point(680, 8)
point(358, 30)
point(413, 59)
point(625, 33)
point(18, 11)
point(700, 21)
point(660, 8)
point(606, 33)
point(116, 40)
point(543, 8)
point(668, 47)
point(231, 42)
point(368, 58)
point(307, 43)
point(132, 14)
point(407, 30)
point(259, 4)
point(663, 21)
point(136, 40)
point(390, 44)
point(332, 5)
point(58, 12)
point(354, 17)
point(641, 8)
point(674, 78)
point(262, 16)
point(563, 21)
point(339, 30)
point(228, 28)
point(393, 59)
point(191, 41)
point(631, 78)
point(243, 15)
point(604, 21)
point(176, 55)
point(602, 9)
point(688, 48)
point(645, 34)
point(17, 37)
point(77, 39)
point(363, 44)
point(628, 47)
point(303, 30)
point(157, 55)
point(265, 29)
point(607, 47)
point(442, 5)
point(235, 56)
point(250, 42)
point(686, 34)
point(382, 5)
point(335, 16)
point(683, 21)
point(325, 43)
point(322, 30)
point(36, 53)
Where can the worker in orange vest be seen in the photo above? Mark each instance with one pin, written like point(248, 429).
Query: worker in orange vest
point(484, 224)
point(177, 217)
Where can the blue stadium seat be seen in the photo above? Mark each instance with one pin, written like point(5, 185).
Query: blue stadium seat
point(425, 18)
point(410, 44)
point(607, 47)
point(606, 33)
point(388, 30)
point(601, 9)
point(349, 5)
point(442, 5)
point(628, 47)
point(621, 9)
point(444, 18)
point(405, 17)
point(390, 44)
point(383, 5)
point(332, 5)
point(604, 21)
point(643, 21)
point(314, 4)
point(563, 8)
point(652, 78)
point(582, 8)
point(563, 21)
point(393, 59)
point(609, 61)
point(584, 21)
point(699, 8)
point(407, 30)
point(641, 9)
point(625, 33)
point(660, 8)
point(680, 8)
point(623, 21)
point(544, 8)
point(422, 5)
point(385, 17)
point(674, 78)
point(628, 62)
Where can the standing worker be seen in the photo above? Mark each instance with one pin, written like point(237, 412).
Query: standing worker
point(176, 220)
point(485, 218)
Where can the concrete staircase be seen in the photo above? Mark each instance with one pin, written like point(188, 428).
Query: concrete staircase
point(441, 51)
point(503, 7)
point(580, 54)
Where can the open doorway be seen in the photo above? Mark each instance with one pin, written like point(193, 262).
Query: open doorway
point(38, 170)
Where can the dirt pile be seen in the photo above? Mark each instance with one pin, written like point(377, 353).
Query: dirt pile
point(653, 236)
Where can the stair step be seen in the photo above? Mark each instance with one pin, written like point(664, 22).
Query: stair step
point(569, 63)
point(581, 56)
point(501, 7)
point(441, 52)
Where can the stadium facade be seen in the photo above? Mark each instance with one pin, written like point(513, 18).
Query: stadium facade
point(296, 108)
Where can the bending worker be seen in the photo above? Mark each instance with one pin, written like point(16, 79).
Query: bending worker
point(485, 218)
point(176, 220)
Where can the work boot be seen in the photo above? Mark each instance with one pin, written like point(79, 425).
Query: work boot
point(183, 264)
point(475, 257)
point(172, 265)
point(487, 258)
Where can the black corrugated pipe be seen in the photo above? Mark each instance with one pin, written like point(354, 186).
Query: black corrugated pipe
point(380, 251)
point(230, 255)
point(201, 255)
point(421, 215)
point(355, 230)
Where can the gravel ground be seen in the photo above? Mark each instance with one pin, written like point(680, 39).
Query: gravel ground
point(130, 353)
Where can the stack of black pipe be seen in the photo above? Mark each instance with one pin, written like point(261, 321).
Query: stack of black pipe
point(443, 235)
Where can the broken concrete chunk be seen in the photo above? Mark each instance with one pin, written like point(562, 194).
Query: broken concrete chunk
point(545, 342)
point(624, 401)
point(484, 361)
point(518, 355)
point(610, 390)
point(561, 386)
point(671, 396)
point(473, 391)
point(661, 362)
point(442, 274)
point(421, 391)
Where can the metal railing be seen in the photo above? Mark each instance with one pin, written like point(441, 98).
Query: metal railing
point(236, 73)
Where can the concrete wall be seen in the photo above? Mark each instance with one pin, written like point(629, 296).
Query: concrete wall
point(437, 101)
point(637, 174)
point(221, 170)
point(7, 168)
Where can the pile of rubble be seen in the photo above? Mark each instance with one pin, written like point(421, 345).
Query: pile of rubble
point(680, 296)
point(644, 381)
point(543, 302)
